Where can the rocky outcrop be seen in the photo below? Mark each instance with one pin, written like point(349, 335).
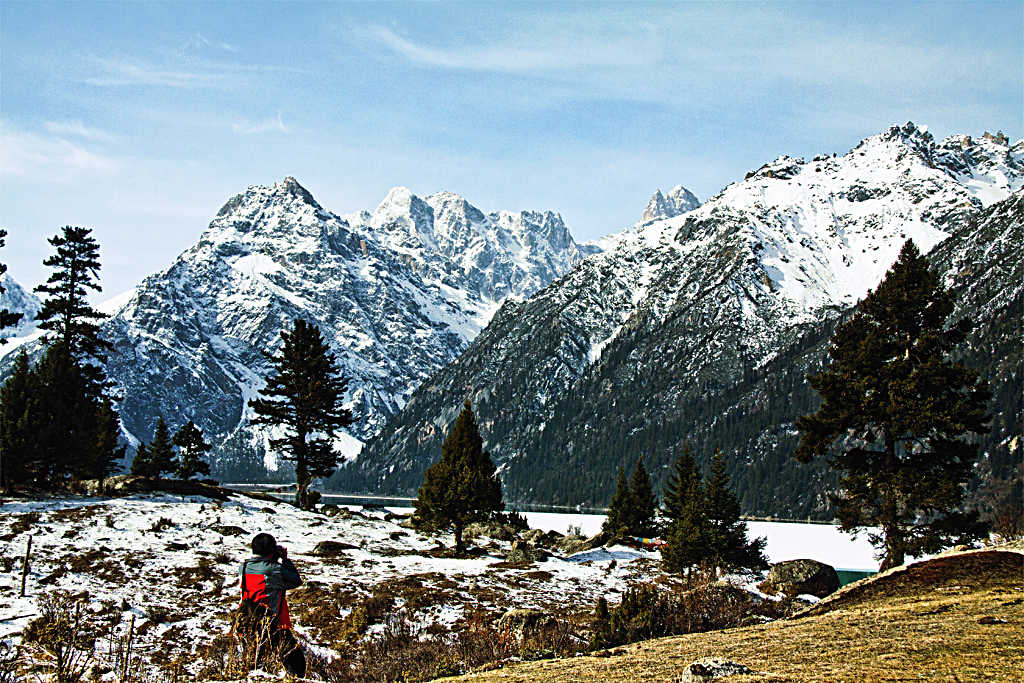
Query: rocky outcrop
point(802, 577)
point(332, 548)
point(128, 484)
point(710, 668)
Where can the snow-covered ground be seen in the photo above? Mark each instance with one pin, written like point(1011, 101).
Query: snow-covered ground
point(172, 562)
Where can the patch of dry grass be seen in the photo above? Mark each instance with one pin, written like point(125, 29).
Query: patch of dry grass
point(919, 624)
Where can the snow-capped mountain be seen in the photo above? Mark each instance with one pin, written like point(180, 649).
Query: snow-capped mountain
point(398, 292)
point(678, 201)
point(644, 346)
point(17, 299)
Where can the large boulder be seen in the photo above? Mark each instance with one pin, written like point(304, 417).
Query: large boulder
point(710, 668)
point(499, 531)
point(127, 484)
point(802, 577)
point(332, 548)
point(523, 553)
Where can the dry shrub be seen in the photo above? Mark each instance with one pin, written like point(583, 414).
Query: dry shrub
point(65, 642)
point(226, 658)
point(96, 562)
point(404, 652)
point(647, 612)
point(75, 514)
point(206, 570)
point(10, 656)
point(22, 523)
point(161, 524)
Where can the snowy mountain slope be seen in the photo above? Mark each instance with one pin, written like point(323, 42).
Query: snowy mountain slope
point(398, 292)
point(17, 299)
point(676, 312)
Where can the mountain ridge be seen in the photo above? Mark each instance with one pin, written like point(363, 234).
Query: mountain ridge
point(707, 299)
point(398, 292)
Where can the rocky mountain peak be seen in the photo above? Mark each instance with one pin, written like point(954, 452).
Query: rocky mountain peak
point(291, 186)
point(405, 216)
point(398, 292)
point(17, 299)
point(678, 201)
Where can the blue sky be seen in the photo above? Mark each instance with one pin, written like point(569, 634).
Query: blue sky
point(141, 119)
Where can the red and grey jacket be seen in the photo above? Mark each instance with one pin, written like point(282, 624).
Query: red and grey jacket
point(265, 582)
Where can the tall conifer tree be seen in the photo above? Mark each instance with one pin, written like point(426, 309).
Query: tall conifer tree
point(727, 545)
point(17, 433)
point(643, 506)
point(193, 447)
point(161, 451)
point(462, 487)
point(66, 311)
point(682, 478)
point(304, 396)
point(896, 409)
point(688, 540)
point(75, 419)
point(617, 518)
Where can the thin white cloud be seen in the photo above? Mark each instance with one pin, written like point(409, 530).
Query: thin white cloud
point(30, 155)
point(78, 129)
point(538, 51)
point(271, 125)
point(119, 73)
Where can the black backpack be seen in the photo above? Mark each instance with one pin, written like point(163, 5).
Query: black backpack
point(252, 617)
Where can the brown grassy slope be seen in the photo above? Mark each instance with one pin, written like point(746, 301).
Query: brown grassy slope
point(921, 623)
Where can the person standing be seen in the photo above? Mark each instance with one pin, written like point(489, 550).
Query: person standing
point(263, 612)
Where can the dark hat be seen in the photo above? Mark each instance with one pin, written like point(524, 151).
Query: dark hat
point(263, 545)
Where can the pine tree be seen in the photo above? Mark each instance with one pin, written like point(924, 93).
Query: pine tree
point(688, 537)
point(7, 318)
point(66, 310)
point(682, 478)
point(900, 408)
point(193, 447)
point(77, 426)
point(728, 547)
point(16, 429)
point(463, 486)
point(63, 419)
point(160, 451)
point(107, 450)
point(617, 520)
point(601, 626)
point(141, 464)
point(643, 505)
point(303, 397)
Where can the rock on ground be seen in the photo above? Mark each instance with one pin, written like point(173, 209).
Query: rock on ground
point(710, 668)
point(798, 577)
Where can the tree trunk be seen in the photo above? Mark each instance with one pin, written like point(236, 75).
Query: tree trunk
point(301, 473)
point(890, 513)
point(894, 552)
point(459, 544)
point(301, 487)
